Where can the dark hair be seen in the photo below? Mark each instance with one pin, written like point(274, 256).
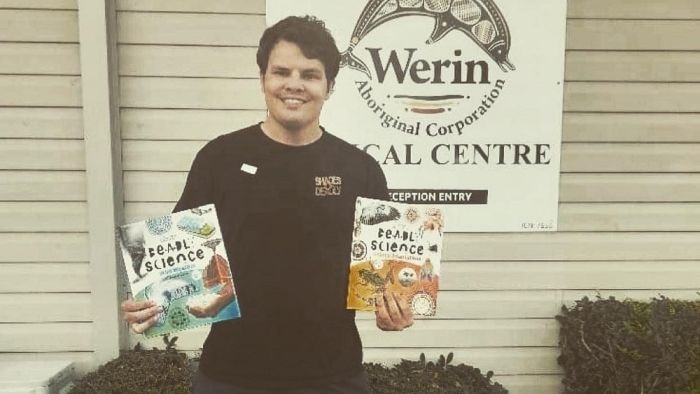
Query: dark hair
point(312, 37)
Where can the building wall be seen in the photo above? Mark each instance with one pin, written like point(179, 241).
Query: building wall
point(45, 288)
point(629, 222)
point(630, 188)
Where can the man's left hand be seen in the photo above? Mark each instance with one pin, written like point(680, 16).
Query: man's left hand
point(393, 313)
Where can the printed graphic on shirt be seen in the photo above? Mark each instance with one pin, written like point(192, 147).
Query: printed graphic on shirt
point(328, 185)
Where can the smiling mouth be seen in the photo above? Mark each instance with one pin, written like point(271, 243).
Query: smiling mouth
point(293, 101)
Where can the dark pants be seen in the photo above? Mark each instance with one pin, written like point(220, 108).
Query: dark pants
point(358, 384)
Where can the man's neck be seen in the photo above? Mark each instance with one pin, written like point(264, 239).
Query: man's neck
point(286, 136)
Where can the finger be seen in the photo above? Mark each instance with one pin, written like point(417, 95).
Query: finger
point(405, 310)
point(386, 318)
point(403, 306)
point(142, 315)
point(381, 307)
point(392, 307)
point(139, 328)
point(134, 306)
point(381, 313)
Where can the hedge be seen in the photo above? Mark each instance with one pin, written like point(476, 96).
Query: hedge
point(170, 372)
point(611, 346)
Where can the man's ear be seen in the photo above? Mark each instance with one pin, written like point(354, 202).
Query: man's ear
point(262, 82)
point(331, 86)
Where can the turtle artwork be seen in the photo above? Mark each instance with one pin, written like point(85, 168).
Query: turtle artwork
point(371, 278)
point(480, 20)
point(378, 212)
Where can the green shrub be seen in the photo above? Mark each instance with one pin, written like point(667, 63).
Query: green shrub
point(167, 371)
point(419, 377)
point(620, 347)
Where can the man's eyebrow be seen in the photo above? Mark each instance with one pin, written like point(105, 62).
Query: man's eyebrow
point(312, 71)
point(305, 71)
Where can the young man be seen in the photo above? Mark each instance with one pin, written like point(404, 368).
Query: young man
point(287, 233)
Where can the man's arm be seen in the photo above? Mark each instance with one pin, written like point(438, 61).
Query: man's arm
point(199, 188)
point(141, 315)
point(393, 313)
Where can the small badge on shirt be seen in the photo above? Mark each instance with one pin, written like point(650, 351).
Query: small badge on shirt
point(249, 168)
point(328, 185)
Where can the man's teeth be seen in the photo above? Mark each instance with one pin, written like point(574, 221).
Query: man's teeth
point(293, 101)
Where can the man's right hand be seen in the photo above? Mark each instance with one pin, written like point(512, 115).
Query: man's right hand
point(140, 314)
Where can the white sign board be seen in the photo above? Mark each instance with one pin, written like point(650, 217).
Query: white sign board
point(460, 101)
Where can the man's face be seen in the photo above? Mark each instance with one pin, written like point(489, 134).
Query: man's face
point(295, 87)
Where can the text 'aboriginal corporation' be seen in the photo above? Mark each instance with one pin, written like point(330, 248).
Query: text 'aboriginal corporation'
point(431, 128)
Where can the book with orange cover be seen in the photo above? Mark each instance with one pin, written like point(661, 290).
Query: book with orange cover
point(396, 248)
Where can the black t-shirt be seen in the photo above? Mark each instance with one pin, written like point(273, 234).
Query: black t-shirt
point(286, 214)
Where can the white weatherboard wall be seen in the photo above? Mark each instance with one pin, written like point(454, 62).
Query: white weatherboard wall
point(630, 185)
point(45, 291)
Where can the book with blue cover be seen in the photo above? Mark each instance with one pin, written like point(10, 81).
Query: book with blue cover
point(180, 262)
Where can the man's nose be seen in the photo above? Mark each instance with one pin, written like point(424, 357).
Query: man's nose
point(294, 83)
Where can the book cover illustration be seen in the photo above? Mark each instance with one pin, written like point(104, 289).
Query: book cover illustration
point(179, 261)
point(396, 248)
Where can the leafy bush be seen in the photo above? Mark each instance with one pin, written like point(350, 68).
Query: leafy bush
point(611, 346)
point(167, 371)
point(419, 377)
point(140, 371)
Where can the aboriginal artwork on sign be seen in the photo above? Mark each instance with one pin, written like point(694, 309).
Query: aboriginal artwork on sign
point(480, 20)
